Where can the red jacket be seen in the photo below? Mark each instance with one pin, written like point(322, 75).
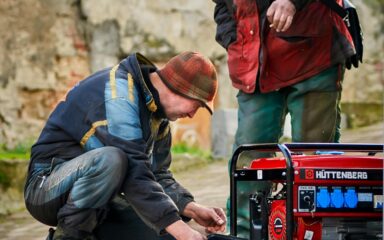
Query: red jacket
point(316, 40)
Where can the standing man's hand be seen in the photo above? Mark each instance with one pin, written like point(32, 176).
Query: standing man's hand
point(280, 14)
point(213, 219)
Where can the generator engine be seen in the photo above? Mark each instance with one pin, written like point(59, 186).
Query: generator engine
point(318, 191)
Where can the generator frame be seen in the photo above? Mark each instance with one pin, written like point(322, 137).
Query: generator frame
point(286, 175)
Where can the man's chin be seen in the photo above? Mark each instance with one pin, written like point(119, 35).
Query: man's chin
point(172, 119)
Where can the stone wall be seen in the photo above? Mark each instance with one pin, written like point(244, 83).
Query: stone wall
point(12, 179)
point(42, 52)
point(46, 46)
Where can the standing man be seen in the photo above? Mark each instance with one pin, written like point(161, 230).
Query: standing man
point(111, 136)
point(284, 56)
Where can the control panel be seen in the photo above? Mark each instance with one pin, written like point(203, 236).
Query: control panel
point(340, 199)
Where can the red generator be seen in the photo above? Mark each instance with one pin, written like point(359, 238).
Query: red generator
point(317, 191)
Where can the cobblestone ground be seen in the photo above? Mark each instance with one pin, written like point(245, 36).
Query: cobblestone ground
point(210, 186)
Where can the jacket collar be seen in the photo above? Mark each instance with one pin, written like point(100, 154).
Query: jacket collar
point(132, 64)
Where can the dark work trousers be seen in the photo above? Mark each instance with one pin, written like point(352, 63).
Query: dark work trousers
point(123, 223)
point(74, 194)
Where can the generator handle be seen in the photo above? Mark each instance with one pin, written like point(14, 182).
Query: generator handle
point(286, 150)
point(232, 183)
point(289, 181)
point(346, 147)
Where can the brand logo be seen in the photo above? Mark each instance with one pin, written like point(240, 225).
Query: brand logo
point(333, 174)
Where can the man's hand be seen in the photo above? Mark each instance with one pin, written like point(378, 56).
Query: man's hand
point(180, 230)
point(280, 14)
point(213, 219)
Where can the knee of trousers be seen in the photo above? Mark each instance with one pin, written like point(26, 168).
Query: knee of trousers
point(101, 179)
point(112, 163)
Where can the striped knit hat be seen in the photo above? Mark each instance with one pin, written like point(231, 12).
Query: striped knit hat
point(191, 75)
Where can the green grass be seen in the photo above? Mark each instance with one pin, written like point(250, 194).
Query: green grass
point(182, 148)
point(12, 156)
point(186, 157)
point(21, 151)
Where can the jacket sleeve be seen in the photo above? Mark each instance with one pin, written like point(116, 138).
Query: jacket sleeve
point(140, 187)
point(226, 24)
point(162, 159)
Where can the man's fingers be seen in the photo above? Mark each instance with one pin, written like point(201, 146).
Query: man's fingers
point(280, 15)
point(276, 18)
point(220, 221)
point(221, 218)
point(221, 228)
point(270, 14)
point(287, 23)
point(222, 214)
point(215, 229)
point(281, 23)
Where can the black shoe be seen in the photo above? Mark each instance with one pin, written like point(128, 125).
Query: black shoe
point(51, 231)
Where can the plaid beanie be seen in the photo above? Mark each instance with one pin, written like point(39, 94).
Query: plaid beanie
point(191, 75)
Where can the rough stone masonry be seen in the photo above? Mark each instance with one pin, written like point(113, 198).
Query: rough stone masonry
point(46, 46)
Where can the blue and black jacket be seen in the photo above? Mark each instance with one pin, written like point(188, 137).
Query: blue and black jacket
point(119, 107)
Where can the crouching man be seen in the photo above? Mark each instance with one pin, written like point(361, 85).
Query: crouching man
point(111, 137)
